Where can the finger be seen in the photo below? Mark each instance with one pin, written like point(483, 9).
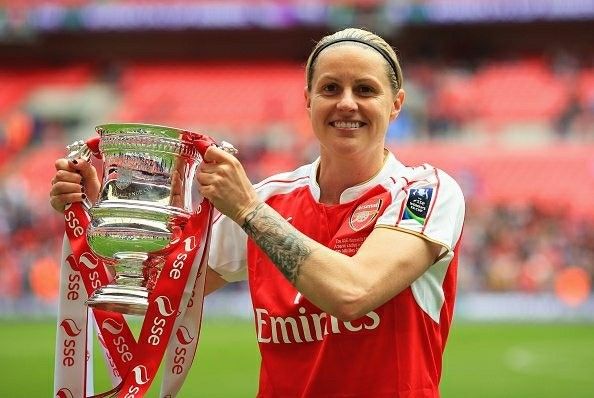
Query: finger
point(206, 167)
point(86, 170)
point(90, 180)
point(61, 188)
point(217, 155)
point(207, 178)
point(64, 164)
point(207, 191)
point(67, 176)
point(59, 202)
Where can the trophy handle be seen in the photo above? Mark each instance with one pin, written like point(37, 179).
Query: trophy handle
point(202, 142)
point(84, 150)
point(93, 145)
point(228, 147)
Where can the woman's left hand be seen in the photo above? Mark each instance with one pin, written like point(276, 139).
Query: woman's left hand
point(224, 182)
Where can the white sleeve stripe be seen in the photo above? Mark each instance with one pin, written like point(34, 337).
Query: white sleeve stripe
point(433, 201)
point(266, 182)
point(267, 191)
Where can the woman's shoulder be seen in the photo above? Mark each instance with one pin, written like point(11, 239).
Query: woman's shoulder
point(285, 182)
point(425, 174)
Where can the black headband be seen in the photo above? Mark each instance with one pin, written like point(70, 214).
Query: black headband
point(380, 50)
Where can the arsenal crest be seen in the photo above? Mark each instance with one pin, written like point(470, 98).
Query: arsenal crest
point(365, 214)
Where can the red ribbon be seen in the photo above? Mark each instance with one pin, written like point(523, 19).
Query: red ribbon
point(138, 362)
point(114, 332)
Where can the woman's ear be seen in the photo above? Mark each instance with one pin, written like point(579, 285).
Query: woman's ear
point(397, 105)
point(307, 98)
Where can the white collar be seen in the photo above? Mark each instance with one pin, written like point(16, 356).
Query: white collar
point(389, 168)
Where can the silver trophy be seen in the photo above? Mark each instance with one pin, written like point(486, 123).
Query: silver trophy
point(144, 203)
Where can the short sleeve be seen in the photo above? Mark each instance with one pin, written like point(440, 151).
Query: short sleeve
point(430, 203)
point(228, 250)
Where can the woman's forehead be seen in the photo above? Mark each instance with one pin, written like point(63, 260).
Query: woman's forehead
point(350, 49)
point(351, 57)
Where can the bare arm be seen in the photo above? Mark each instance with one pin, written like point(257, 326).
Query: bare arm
point(213, 282)
point(347, 287)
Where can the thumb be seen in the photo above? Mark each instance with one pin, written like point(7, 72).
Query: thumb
point(215, 154)
point(90, 180)
point(85, 169)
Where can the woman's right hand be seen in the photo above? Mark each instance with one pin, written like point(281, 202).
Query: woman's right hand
point(74, 181)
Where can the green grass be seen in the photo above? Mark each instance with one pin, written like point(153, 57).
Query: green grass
point(482, 360)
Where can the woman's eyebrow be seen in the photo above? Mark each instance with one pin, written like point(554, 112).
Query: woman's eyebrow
point(366, 79)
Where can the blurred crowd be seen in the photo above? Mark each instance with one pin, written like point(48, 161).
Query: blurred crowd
point(505, 248)
point(522, 248)
point(503, 100)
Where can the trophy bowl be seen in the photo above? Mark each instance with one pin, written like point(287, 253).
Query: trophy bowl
point(144, 203)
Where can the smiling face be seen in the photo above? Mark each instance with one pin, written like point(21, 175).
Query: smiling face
point(351, 101)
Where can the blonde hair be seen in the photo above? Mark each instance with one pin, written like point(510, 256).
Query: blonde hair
point(364, 38)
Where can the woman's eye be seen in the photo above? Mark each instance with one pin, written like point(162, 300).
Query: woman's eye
point(330, 88)
point(366, 90)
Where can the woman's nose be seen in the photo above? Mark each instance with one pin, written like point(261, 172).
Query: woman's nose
point(347, 101)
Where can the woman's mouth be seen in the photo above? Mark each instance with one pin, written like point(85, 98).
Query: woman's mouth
point(341, 124)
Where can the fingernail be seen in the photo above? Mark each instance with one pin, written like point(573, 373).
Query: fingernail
point(84, 196)
point(74, 161)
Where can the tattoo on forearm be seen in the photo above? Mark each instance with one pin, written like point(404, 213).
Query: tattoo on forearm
point(286, 248)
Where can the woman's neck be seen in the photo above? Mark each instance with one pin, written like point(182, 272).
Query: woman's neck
point(335, 174)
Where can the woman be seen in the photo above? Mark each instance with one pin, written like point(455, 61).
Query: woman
point(352, 259)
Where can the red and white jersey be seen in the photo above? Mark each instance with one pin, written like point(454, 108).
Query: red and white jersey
point(393, 351)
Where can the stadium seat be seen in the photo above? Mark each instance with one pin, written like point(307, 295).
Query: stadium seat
point(213, 95)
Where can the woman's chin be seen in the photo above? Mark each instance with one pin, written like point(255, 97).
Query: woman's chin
point(348, 146)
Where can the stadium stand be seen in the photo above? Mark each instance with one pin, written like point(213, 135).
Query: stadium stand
point(514, 125)
point(260, 107)
point(233, 96)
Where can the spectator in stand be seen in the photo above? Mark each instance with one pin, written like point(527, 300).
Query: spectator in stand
point(513, 248)
point(565, 123)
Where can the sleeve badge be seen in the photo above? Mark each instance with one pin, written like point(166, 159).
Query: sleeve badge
point(417, 205)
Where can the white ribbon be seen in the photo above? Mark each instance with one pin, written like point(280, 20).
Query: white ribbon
point(73, 370)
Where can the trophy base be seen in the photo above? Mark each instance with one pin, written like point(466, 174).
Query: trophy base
point(123, 299)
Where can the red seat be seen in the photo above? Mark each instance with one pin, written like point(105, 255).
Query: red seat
point(585, 88)
point(561, 176)
point(229, 96)
point(523, 91)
